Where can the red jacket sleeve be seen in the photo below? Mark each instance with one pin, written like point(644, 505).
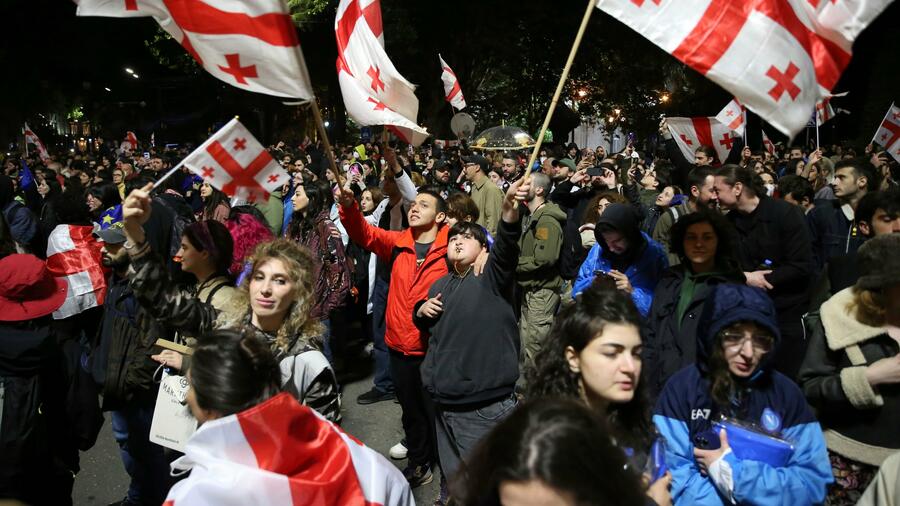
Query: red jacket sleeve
point(374, 239)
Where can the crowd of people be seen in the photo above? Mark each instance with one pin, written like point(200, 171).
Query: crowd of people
point(600, 328)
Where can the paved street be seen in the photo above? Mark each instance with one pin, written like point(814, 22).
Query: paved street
point(102, 479)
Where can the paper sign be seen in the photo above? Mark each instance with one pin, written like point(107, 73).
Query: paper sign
point(173, 424)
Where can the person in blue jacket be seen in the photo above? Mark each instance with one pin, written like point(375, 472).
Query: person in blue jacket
point(734, 377)
point(630, 257)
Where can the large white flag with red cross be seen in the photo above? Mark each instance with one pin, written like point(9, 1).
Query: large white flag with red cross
point(374, 91)
point(233, 161)
point(691, 133)
point(32, 138)
point(280, 453)
point(249, 45)
point(452, 91)
point(778, 57)
point(888, 134)
point(74, 255)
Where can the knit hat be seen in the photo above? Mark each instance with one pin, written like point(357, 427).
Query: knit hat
point(879, 262)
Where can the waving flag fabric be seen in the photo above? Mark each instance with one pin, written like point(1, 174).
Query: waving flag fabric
point(691, 133)
point(888, 134)
point(74, 254)
point(32, 138)
point(779, 58)
point(733, 116)
point(452, 91)
point(280, 453)
point(249, 45)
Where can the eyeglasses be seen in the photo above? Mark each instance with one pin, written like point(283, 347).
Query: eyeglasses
point(734, 341)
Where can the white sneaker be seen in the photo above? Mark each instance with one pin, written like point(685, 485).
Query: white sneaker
point(398, 451)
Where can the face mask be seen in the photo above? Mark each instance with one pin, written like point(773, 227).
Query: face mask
point(770, 189)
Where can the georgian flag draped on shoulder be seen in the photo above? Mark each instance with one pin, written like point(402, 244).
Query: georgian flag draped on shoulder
point(452, 91)
point(778, 57)
point(691, 133)
point(249, 45)
point(74, 255)
point(374, 91)
point(280, 453)
point(233, 161)
point(888, 134)
point(32, 138)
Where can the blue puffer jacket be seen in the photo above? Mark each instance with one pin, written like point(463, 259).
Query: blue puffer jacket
point(644, 273)
point(686, 409)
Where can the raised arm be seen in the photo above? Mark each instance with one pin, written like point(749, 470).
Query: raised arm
point(378, 241)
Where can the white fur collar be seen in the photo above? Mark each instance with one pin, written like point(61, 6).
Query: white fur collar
point(842, 329)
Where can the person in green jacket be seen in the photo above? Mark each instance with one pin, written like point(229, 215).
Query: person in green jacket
point(273, 210)
point(538, 271)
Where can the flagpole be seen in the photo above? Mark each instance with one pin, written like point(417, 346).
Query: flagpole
point(559, 87)
point(317, 116)
point(817, 131)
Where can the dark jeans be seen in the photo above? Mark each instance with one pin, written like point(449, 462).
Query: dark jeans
point(417, 407)
point(144, 461)
point(459, 430)
point(792, 347)
point(383, 380)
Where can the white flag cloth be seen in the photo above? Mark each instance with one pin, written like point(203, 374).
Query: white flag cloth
point(888, 134)
point(280, 453)
point(374, 91)
point(733, 116)
point(249, 45)
point(131, 139)
point(452, 91)
point(777, 57)
point(32, 138)
point(233, 161)
point(691, 133)
point(824, 111)
point(770, 147)
point(74, 254)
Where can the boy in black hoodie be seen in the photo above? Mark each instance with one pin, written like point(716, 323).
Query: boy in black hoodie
point(471, 366)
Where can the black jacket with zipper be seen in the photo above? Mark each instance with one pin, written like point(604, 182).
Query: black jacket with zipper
point(473, 351)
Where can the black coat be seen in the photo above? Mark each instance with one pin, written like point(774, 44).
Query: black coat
point(669, 347)
point(572, 254)
point(831, 233)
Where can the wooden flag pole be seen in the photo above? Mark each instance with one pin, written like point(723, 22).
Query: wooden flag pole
point(317, 116)
point(591, 7)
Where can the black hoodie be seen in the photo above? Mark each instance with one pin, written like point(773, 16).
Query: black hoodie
point(624, 219)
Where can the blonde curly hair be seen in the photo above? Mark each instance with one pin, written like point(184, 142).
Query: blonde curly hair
point(300, 266)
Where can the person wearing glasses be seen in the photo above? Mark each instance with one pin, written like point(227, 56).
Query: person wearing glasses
point(737, 340)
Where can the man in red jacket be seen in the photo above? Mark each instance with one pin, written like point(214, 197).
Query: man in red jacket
point(417, 257)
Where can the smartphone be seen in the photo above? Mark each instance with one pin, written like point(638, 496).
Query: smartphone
point(146, 155)
point(355, 170)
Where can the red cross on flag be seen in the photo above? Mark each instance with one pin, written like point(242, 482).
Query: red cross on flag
point(233, 161)
point(452, 91)
point(888, 134)
point(691, 133)
point(824, 111)
point(32, 138)
point(778, 57)
point(374, 91)
point(249, 45)
point(74, 255)
point(733, 115)
point(767, 143)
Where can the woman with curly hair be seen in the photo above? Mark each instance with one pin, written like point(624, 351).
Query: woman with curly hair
point(593, 353)
point(279, 291)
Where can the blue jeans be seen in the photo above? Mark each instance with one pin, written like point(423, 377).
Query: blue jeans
point(326, 340)
point(144, 461)
point(383, 381)
point(458, 431)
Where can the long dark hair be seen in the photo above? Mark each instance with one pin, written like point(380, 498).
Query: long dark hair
point(107, 194)
point(726, 259)
point(320, 200)
point(576, 326)
point(750, 180)
point(558, 442)
point(213, 201)
point(233, 370)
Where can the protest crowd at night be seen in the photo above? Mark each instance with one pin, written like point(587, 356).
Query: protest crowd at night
point(697, 312)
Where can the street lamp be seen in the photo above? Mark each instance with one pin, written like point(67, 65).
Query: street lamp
point(128, 70)
point(664, 98)
point(327, 123)
point(135, 76)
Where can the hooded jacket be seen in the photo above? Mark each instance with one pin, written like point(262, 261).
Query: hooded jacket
point(861, 422)
point(540, 246)
point(409, 282)
point(643, 262)
point(686, 409)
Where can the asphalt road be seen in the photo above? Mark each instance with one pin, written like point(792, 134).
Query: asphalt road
point(103, 480)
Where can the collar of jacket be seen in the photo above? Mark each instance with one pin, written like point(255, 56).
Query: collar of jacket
point(842, 329)
point(440, 240)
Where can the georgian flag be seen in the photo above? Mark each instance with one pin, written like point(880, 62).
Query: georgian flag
point(74, 255)
point(233, 161)
point(777, 57)
point(691, 133)
point(767, 143)
point(452, 91)
point(32, 138)
point(249, 45)
point(888, 134)
point(733, 116)
point(281, 453)
point(131, 139)
point(374, 91)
